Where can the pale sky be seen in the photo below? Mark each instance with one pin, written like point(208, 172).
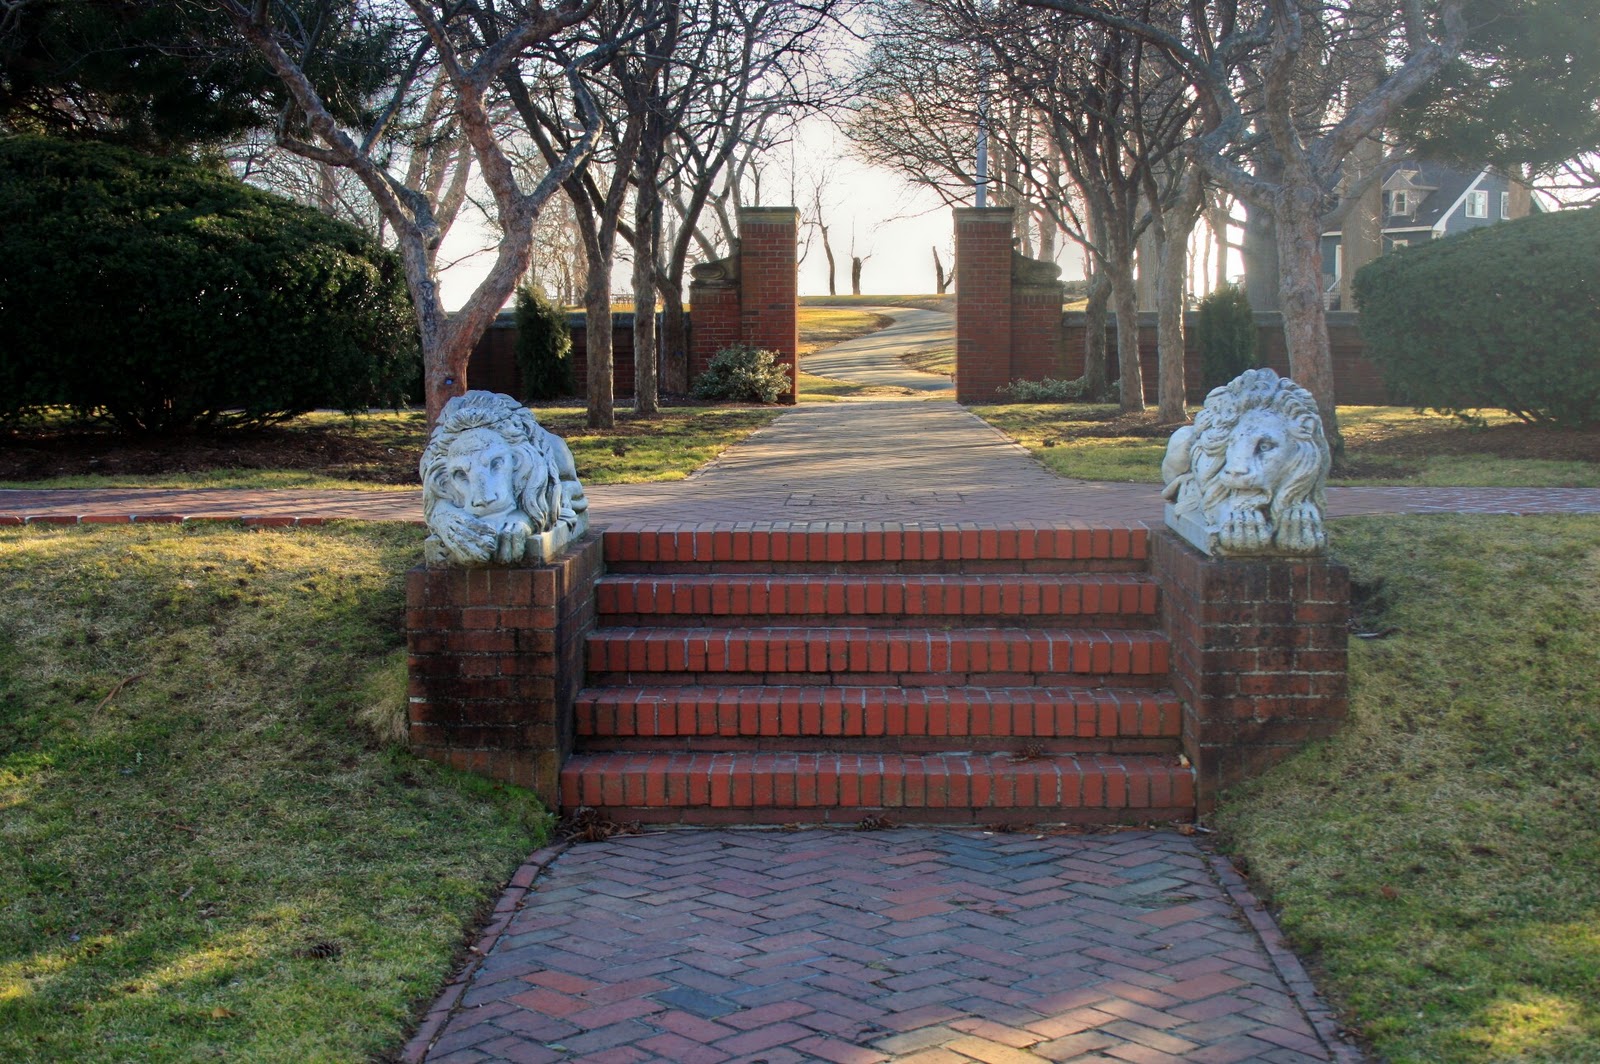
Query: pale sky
point(895, 225)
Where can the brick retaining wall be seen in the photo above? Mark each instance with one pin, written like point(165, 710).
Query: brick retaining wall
point(496, 662)
point(493, 366)
point(1356, 381)
point(1259, 657)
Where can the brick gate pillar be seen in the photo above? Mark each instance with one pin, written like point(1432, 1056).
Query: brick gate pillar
point(769, 284)
point(983, 301)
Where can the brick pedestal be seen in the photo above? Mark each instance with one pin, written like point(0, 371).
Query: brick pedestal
point(496, 662)
point(1259, 656)
point(761, 306)
point(769, 286)
point(1036, 333)
point(983, 302)
point(714, 322)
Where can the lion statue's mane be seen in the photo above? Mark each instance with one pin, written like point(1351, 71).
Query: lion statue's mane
point(1253, 468)
point(544, 476)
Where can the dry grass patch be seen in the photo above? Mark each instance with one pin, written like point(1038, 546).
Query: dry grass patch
point(822, 327)
point(374, 451)
point(1383, 445)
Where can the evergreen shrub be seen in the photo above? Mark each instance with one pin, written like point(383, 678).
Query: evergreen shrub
point(1048, 390)
point(1225, 335)
point(741, 373)
point(1504, 317)
point(167, 296)
point(544, 347)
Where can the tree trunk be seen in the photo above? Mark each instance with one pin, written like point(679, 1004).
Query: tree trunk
point(1361, 233)
point(646, 233)
point(1170, 390)
point(1217, 219)
point(1148, 279)
point(674, 339)
point(855, 274)
point(1261, 265)
point(939, 277)
point(1305, 326)
point(1094, 337)
point(1125, 305)
point(597, 340)
point(1177, 223)
point(646, 387)
point(827, 249)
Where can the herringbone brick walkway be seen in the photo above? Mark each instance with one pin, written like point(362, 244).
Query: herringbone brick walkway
point(926, 946)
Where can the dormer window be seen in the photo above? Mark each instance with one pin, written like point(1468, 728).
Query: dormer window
point(1401, 202)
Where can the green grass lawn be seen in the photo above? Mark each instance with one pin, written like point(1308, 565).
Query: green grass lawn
point(822, 327)
point(945, 303)
point(1440, 856)
point(208, 853)
point(1383, 445)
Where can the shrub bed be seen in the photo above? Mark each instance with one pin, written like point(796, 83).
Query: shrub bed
point(163, 295)
point(1506, 317)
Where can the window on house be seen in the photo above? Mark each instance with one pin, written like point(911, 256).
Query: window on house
point(1477, 205)
point(1401, 203)
point(1505, 205)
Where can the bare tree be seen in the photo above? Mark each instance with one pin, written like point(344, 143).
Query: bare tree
point(746, 71)
point(599, 192)
point(1080, 127)
point(1233, 55)
point(468, 67)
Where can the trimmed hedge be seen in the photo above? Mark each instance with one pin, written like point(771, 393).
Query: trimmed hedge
point(1225, 335)
point(544, 347)
point(165, 295)
point(1505, 317)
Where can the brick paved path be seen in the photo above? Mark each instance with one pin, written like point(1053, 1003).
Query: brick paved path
point(924, 946)
point(884, 461)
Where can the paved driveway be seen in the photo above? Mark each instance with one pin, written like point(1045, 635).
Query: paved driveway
point(875, 359)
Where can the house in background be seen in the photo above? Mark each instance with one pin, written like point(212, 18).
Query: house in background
point(1425, 201)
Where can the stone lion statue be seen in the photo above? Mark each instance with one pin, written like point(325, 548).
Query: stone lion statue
point(1249, 476)
point(497, 487)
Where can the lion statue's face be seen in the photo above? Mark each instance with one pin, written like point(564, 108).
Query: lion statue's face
point(1247, 477)
point(482, 473)
point(1258, 453)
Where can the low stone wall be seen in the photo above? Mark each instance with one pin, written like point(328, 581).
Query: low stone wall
point(493, 367)
point(1356, 381)
point(1259, 657)
point(496, 662)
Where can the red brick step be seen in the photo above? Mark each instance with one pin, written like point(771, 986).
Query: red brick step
point(685, 598)
point(998, 718)
point(781, 544)
point(905, 657)
point(843, 787)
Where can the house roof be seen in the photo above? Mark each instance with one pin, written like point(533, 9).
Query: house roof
point(1442, 185)
point(1448, 185)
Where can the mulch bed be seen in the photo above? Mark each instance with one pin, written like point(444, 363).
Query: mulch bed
point(42, 454)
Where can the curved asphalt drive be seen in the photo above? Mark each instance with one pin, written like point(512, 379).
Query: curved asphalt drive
point(874, 359)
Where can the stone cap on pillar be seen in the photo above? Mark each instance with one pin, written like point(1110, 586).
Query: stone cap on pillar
point(994, 215)
point(768, 215)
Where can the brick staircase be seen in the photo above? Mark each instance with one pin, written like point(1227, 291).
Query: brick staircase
point(950, 675)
